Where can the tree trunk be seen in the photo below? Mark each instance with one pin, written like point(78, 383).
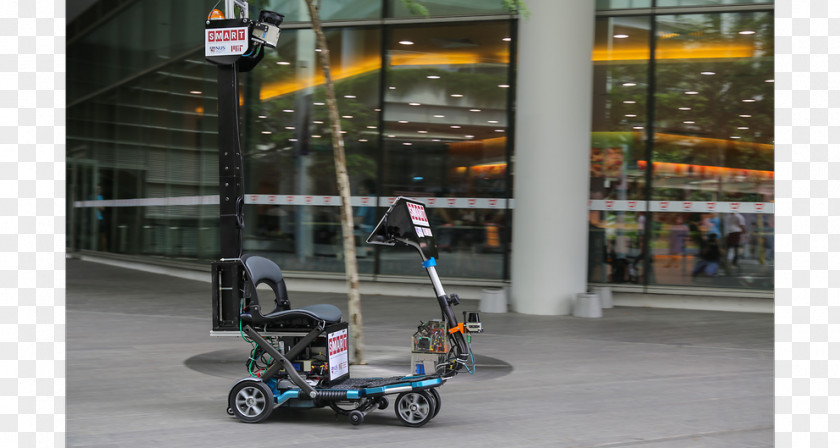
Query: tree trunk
point(354, 303)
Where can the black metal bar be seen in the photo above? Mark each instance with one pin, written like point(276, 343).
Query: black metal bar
point(380, 139)
point(279, 361)
point(231, 194)
point(650, 135)
point(453, 322)
point(509, 146)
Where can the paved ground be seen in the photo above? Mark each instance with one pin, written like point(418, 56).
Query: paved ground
point(143, 371)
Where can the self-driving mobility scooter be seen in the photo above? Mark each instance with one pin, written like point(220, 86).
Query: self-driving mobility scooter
point(299, 356)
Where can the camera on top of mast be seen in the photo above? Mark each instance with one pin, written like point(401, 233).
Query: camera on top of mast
point(232, 38)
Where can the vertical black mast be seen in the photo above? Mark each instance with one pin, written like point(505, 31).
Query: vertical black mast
point(234, 44)
point(231, 177)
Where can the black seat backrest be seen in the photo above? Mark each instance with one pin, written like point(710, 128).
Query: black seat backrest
point(262, 270)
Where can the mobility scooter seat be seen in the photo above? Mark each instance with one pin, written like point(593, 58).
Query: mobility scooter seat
point(262, 270)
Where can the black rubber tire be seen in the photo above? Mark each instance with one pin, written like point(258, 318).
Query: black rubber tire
point(383, 403)
point(357, 417)
point(251, 401)
point(414, 409)
point(436, 395)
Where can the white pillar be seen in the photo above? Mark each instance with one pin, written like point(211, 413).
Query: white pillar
point(551, 166)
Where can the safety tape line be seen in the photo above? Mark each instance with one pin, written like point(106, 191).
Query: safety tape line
point(478, 203)
point(683, 206)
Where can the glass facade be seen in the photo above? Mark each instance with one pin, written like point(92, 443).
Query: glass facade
point(682, 150)
point(444, 134)
point(631, 4)
point(448, 8)
point(426, 112)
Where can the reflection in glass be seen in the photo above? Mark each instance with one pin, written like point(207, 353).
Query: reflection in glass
point(714, 108)
point(297, 11)
point(124, 46)
point(446, 8)
point(619, 108)
point(289, 143)
point(621, 4)
point(668, 3)
point(445, 133)
point(730, 250)
point(152, 137)
point(713, 143)
point(615, 247)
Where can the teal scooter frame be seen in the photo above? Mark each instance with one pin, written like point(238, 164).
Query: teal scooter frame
point(284, 381)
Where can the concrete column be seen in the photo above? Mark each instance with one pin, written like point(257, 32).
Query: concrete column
point(551, 165)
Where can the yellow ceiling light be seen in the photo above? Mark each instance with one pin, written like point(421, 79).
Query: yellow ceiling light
point(453, 58)
point(271, 90)
point(720, 50)
point(694, 140)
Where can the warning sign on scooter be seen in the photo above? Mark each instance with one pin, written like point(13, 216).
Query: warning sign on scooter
point(418, 214)
point(337, 348)
point(225, 41)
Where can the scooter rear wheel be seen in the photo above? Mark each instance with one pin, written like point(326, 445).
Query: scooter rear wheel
point(436, 395)
point(414, 408)
point(251, 401)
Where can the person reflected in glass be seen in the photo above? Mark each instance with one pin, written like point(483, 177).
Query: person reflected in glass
point(678, 233)
point(709, 258)
point(102, 221)
point(364, 216)
point(711, 224)
point(735, 227)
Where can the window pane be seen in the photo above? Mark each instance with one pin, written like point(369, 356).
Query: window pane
point(289, 145)
point(616, 239)
point(728, 250)
point(661, 3)
point(714, 108)
point(446, 8)
point(330, 10)
point(619, 107)
point(446, 121)
point(622, 4)
point(151, 138)
point(145, 34)
point(714, 145)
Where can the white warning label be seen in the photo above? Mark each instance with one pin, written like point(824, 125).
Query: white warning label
point(418, 214)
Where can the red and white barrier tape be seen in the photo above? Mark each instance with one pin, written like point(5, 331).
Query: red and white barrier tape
point(278, 199)
point(479, 203)
point(682, 206)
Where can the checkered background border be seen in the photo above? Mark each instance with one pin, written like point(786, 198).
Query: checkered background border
point(32, 223)
point(32, 227)
point(807, 341)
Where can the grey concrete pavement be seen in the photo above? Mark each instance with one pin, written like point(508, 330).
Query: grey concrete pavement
point(144, 371)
